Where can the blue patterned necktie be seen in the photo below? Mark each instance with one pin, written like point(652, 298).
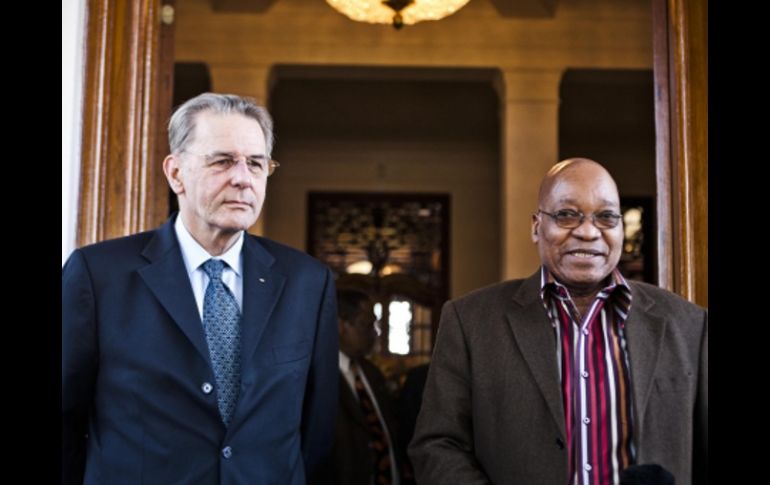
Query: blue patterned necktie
point(221, 322)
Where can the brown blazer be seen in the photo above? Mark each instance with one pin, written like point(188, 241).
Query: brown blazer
point(492, 410)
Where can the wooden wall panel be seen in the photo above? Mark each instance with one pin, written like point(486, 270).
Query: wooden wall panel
point(122, 185)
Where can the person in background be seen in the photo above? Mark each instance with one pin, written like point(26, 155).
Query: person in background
point(573, 374)
point(367, 448)
point(196, 352)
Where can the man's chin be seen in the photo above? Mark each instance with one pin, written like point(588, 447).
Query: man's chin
point(235, 224)
point(585, 279)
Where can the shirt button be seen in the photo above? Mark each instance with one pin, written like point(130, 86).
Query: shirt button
point(584, 374)
point(586, 420)
point(587, 467)
point(206, 388)
point(227, 452)
point(585, 331)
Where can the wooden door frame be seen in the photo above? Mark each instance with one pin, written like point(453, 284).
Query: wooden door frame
point(680, 61)
point(126, 102)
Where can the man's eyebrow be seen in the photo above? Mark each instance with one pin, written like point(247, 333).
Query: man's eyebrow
point(569, 200)
point(609, 202)
point(604, 202)
point(260, 156)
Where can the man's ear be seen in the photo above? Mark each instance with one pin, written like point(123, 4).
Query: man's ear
point(535, 228)
point(173, 171)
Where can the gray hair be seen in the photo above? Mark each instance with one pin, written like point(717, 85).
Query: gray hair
point(182, 123)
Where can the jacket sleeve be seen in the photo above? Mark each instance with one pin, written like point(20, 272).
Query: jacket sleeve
point(320, 405)
point(701, 451)
point(442, 448)
point(79, 364)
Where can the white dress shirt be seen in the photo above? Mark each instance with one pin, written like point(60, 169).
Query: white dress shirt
point(194, 256)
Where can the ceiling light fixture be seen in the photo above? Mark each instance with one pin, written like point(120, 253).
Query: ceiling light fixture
point(396, 12)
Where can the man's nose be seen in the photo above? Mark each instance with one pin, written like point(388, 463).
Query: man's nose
point(587, 229)
point(240, 173)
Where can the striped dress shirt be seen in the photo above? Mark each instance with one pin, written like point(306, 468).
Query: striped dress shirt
point(595, 380)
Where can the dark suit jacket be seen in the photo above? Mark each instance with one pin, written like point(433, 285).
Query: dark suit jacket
point(135, 360)
point(492, 409)
point(353, 462)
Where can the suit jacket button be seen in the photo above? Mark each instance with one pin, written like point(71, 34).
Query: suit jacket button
point(227, 452)
point(207, 388)
point(560, 443)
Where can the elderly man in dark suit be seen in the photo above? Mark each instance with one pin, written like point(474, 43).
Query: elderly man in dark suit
point(196, 352)
point(573, 374)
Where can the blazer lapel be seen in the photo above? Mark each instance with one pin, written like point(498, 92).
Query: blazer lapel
point(535, 339)
point(262, 286)
point(166, 277)
point(645, 329)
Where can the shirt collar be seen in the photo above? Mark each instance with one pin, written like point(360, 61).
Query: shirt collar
point(615, 282)
point(195, 255)
point(344, 361)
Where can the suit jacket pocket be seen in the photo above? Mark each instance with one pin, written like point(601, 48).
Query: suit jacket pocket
point(291, 352)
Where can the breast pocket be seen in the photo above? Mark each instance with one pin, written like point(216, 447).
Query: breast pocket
point(291, 352)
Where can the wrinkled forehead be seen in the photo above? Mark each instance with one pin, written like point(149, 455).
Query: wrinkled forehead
point(230, 132)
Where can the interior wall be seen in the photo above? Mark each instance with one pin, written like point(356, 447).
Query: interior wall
point(398, 167)
point(438, 137)
point(241, 50)
point(582, 33)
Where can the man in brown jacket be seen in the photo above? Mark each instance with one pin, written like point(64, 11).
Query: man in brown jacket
point(570, 375)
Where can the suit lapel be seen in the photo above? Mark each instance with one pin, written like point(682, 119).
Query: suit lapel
point(262, 286)
point(166, 277)
point(535, 339)
point(645, 329)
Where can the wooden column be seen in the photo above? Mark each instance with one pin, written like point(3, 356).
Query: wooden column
point(126, 102)
point(681, 104)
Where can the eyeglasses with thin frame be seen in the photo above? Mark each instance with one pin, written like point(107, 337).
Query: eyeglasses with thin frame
point(225, 161)
point(570, 219)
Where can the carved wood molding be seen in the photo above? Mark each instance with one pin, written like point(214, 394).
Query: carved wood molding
point(681, 96)
point(122, 185)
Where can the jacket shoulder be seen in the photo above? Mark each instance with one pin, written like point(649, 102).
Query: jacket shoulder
point(106, 251)
point(664, 297)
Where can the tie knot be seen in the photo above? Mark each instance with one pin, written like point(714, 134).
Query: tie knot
point(214, 268)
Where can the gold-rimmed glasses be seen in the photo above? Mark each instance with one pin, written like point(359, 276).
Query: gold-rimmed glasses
point(223, 161)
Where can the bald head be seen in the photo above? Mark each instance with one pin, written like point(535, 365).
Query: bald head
point(584, 168)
